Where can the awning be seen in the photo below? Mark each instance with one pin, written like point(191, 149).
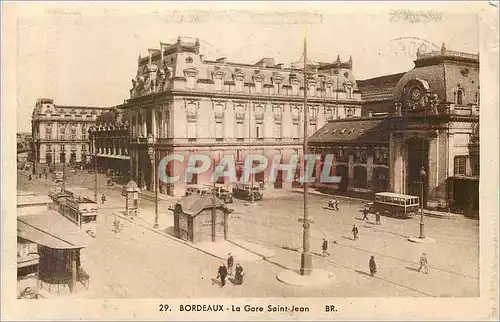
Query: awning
point(52, 230)
point(114, 156)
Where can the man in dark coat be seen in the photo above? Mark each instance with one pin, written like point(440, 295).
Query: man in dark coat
point(222, 273)
point(103, 198)
point(377, 218)
point(324, 246)
point(238, 276)
point(373, 266)
point(355, 232)
point(365, 213)
point(230, 262)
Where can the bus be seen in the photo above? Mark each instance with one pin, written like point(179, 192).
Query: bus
point(395, 204)
point(77, 206)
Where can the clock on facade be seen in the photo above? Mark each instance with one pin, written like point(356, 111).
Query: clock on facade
point(415, 94)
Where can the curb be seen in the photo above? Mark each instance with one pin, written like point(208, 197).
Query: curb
point(427, 214)
point(251, 251)
point(166, 235)
point(336, 196)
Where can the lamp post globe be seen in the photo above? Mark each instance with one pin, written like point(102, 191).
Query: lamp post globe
point(423, 175)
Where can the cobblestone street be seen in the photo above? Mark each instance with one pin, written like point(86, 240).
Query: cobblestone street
point(138, 262)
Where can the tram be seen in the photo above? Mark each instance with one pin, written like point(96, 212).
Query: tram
point(79, 209)
point(395, 205)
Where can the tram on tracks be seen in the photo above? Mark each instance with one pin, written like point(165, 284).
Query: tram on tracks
point(75, 205)
point(395, 205)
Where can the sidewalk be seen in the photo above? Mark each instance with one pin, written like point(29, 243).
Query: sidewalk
point(427, 212)
point(241, 250)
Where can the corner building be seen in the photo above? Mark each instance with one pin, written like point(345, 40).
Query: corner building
point(426, 118)
point(182, 103)
point(60, 132)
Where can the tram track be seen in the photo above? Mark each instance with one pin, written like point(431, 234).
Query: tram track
point(338, 243)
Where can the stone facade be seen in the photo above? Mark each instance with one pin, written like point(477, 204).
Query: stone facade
point(109, 142)
point(432, 123)
point(60, 132)
point(186, 104)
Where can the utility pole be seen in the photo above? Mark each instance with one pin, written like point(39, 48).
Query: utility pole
point(423, 174)
point(155, 175)
point(306, 258)
point(95, 165)
point(213, 204)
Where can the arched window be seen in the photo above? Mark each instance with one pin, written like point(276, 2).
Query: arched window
point(460, 95)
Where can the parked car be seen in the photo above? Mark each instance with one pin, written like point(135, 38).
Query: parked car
point(245, 191)
point(197, 190)
point(222, 192)
point(57, 176)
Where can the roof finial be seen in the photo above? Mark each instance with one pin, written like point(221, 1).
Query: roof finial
point(338, 59)
point(443, 48)
point(197, 42)
point(179, 40)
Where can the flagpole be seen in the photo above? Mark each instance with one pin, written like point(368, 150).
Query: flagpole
point(306, 259)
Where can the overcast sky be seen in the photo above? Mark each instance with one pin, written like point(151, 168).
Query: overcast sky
point(87, 54)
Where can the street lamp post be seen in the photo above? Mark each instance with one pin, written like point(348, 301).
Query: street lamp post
point(423, 174)
point(95, 163)
point(152, 155)
point(306, 258)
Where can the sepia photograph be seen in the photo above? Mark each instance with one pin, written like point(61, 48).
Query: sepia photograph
point(250, 161)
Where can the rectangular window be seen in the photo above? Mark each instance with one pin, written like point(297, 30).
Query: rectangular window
point(276, 88)
point(258, 131)
point(277, 130)
point(191, 130)
point(219, 130)
point(218, 84)
point(238, 156)
point(258, 87)
point(238, 86)
point(190, 82)
point(295, 89)
point(460, 165)
point(295, 130)
point(239, 130)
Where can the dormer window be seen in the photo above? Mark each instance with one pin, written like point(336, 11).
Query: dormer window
point(238, 77)
point(348, 90)
point(460, 94)
point(190, 75)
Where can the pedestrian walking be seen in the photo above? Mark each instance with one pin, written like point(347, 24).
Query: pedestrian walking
point(449, 204)
point(373, 266)
point(103, 198)
point(222, 274)
point(29, 177)
point(238, 277)
point(45, 175)
point(230, 262)
point(336, 204)
point(377, 218)
point(424, 264)
point(331, 203)
point(324, 246)
point(365, 213)
point(355, 232)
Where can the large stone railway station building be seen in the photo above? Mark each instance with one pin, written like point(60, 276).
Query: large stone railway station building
point(384, 131)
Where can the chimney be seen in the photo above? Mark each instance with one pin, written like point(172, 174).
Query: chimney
point(350, 62)
point(178, 44)
point(197, 46)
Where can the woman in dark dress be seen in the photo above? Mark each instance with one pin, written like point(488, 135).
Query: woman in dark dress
point(373, 266)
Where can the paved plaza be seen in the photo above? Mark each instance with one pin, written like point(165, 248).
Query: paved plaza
point(140, 262)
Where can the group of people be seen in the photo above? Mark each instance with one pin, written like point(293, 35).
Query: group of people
point(230, 270)
point(377, 216)
point(333, 203)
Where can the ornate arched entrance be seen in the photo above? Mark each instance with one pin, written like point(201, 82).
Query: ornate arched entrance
point(418, 157)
